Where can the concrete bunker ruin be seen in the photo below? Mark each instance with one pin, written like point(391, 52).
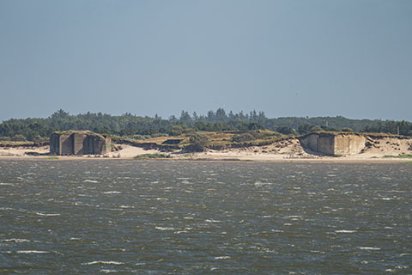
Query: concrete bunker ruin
point(334, 144)
point(79, 143)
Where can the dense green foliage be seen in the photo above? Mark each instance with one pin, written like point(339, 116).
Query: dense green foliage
point(129, 125)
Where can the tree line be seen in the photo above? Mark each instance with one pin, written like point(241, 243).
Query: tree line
point(219, 120)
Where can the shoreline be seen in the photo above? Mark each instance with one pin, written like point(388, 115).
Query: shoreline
point(287, 154)
point(320, 160)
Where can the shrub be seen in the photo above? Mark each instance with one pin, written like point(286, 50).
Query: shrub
point(153, 156)
point(176, 130)
point(316, 129)
point(18, 138)
point(197, 143)
point(243, 137)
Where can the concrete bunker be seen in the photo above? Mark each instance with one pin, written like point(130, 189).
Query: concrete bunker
point(335, 144)
point(79, 143)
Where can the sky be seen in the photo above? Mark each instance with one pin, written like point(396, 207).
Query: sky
point(284, 57)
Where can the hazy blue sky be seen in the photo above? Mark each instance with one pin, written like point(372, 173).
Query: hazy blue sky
point(287, 58)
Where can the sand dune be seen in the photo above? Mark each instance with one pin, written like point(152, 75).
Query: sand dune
point(383, 149)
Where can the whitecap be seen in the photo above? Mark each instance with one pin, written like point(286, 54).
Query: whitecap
point(294, 217)
point(259, 183)
point(103, 262)
point(6, 184)
point(16, 240)
point(32, 252)
point(345, 231)
point(222, 257)
point(212, 221)
point(91, 181)
point(164, 228)
point(47, 215)
point(368, 248)
point(108, 271)
point(112, 192)
point(126, 206)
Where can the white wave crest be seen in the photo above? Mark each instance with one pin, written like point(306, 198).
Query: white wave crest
point(212, 221)
point(222, 257)
point(164, 228)
point(6, 184)
point(368, 248)
point(32, 252)
point(345, 231)
point(16, 240)
point(91, 181)
point(259, 183)
point(103, 262)
point(47, 215)
point(126, 206)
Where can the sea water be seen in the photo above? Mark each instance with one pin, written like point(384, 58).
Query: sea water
point(186, 217)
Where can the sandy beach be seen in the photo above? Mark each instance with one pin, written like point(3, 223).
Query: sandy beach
point(292, 152)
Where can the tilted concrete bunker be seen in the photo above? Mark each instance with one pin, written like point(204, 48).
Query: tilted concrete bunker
point(334, 144)
point(79, 143)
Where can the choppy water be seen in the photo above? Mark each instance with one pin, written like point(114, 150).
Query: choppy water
point(155, 217)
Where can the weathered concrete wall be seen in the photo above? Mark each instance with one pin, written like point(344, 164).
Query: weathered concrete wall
point(326, 144)
point(66, 145)
point(96, 144)
point(349, 144)
point(55, 144)
point(107, 146)
point(334, 144)
point(79, 143)
point(319, 143)
point(310, 142)
point(78, 139)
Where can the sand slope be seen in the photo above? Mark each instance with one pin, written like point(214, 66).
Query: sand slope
point(289, 149)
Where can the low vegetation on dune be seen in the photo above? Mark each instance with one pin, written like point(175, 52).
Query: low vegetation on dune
point(153, 156)
point(203, 140)
point(402, 156)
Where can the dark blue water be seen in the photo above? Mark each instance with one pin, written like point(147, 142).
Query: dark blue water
point(162, 217)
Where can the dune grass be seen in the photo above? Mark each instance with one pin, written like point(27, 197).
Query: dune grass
point(153, 156)
point(402, 156)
